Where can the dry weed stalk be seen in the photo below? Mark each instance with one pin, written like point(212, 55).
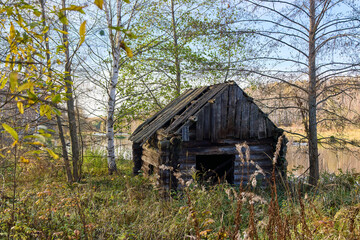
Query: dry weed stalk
point(304, 226)
point(192, 213)
point(235, 234)
point(276, 228)
point(252, 226)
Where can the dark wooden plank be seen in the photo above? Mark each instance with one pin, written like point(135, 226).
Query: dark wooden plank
point(199, 103)
point(270, 127)
point(262, 127)
point(231, 110)
point(226, 142)
point(200, 125)
point(218, 126)
point(166, 115)
point(239, 102)
point(213, 122)
point(224, 112)
point(245, 111)
point(206, 109)
point(254, 120)
point(185, 133)
point(256, 152)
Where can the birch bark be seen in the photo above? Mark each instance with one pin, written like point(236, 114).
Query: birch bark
point(115, 41)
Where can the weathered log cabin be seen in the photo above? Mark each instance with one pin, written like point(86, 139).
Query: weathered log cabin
point(201, 130)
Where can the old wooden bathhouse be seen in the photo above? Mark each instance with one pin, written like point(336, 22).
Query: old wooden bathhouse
point(199, 131)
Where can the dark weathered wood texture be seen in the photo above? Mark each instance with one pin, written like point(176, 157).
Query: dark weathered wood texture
point(206, 121)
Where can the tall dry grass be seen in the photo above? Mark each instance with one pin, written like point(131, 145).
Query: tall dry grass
point(127, 207)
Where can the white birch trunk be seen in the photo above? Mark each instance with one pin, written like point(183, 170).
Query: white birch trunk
point(110, 113)
point(115, 46)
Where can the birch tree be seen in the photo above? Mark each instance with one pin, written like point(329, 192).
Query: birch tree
point(118, 28)
point(310, 47)
point(187, 44)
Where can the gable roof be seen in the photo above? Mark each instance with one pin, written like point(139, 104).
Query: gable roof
point(177, 113)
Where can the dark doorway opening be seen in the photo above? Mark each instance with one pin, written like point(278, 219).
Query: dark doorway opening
point(212, 168)
point(151, 169)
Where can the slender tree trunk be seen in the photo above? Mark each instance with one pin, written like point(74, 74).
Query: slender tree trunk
point(58, 119)
point(176, 50)
point(64, 150)
point(81, 140)
point(115, 46)
point(110, 117)
point(70, 104)
point(313, 146)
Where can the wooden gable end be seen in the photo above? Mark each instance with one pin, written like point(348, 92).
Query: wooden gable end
point(231, 114)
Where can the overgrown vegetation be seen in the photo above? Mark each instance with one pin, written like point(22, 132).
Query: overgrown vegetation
point(127, 207)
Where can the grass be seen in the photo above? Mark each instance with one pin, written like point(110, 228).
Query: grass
point(128, 207)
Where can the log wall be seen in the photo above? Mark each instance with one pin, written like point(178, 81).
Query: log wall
point(231, 114)
point(229, 118)
point(261, 154)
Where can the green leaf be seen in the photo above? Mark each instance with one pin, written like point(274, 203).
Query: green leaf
point(127, 1)
point(56, 98)
point(40, 137)
point(117, 28)
point(11, 131)
point(82, 32)
point(63, 18)
point(99, 3)
point(57, 112)
point(37, 13)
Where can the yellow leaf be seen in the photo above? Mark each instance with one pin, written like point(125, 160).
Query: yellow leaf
point(48, 115)
point(44, 109)
point(129, 52)
point(11, 131)
point(36, 143)
point(126, 48)
point(12, 32)
point(3, 81)
point(52, 154)
point(99, 3)
point(20, 106)
point(74, 8)
point(14, 143)
point(61, 31)
point(82, 31)
point(205, 232)
point(24, 160)
point(25, 86)
point(13, 76)
point(8, 60)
